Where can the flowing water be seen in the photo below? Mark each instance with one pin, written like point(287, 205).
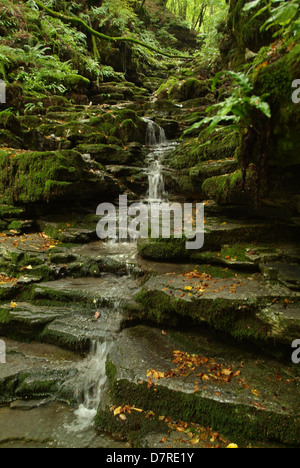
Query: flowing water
point(63, 426)
point(158, 147)
point(92, 385)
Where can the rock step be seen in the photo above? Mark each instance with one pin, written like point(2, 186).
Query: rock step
point(70, 326)
point(106, 291)
point(245, 307)
point(36, 370)
point(217, 233)
point(199, 378)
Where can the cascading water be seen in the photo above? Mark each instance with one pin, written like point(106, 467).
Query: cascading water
point(157, 141)
point(93, 379)
point(155, 135)
point(91, 387)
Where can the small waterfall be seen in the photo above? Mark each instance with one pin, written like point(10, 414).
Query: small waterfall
point(156, 189)
point(155, 135)
point(156, 139)
point(91, 386)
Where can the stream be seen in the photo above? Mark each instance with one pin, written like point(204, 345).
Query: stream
point(94, 367)
point(41, 424)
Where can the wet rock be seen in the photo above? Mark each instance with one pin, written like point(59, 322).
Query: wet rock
point(286, 273)
point(242, 406)
point(236, 305)
point(35, 371)
point(28, 404)
point(36, 141)
point(219, 232)
point(51, 176)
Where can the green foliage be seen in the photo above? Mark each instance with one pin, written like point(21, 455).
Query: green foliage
point(239, 110)
point(199, 14)
point(116, 15)
point(205, 16)
point(283, 18)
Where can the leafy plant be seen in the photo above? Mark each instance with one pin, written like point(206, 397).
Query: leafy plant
point(239, 109)
point(31, 106)
point(284, 17)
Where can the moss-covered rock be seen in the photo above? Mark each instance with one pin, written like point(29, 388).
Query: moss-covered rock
point(197, 150)
point(228, 189)
point(8, 121)
point(76, 83)
point(240, 411)
point(275, 78)
point(28, 177)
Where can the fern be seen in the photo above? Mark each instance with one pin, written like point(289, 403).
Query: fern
point(239, 110)
point(284, 17)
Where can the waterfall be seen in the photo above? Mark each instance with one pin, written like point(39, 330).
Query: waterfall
point(157, 141)
point(92, 385)
point(156, 189)
point(155, 135)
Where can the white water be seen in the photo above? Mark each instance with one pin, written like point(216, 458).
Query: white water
point(93, 378)
point(155, 135)
point(158, 147)
point(92, 386)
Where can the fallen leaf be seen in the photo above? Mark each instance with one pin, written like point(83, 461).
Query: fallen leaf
point(117, 410)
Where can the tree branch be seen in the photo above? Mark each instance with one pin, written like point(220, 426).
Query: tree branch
point(79, 22)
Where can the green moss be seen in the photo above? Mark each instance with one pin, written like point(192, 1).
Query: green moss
point(32, 177)
point(163, 249)
point(192, 152)
point(275, 79)
point(8, 211)
point(76, 82)
point(9, 121)
point(245, 31)
point(230, 419)
point(15, 225)
point(165, 90)
point(237, 252)
point(223, 189)
point(111, 372)
point(5, 316)
point(236, 318)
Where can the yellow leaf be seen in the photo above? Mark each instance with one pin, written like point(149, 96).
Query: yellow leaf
point(255, 392)
point(194, 441)
point(227, 372)
point(232, 446)
point(138, 410)
point(117, 410)
point(188, 288)
point(13, 305)
point(122, 417)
